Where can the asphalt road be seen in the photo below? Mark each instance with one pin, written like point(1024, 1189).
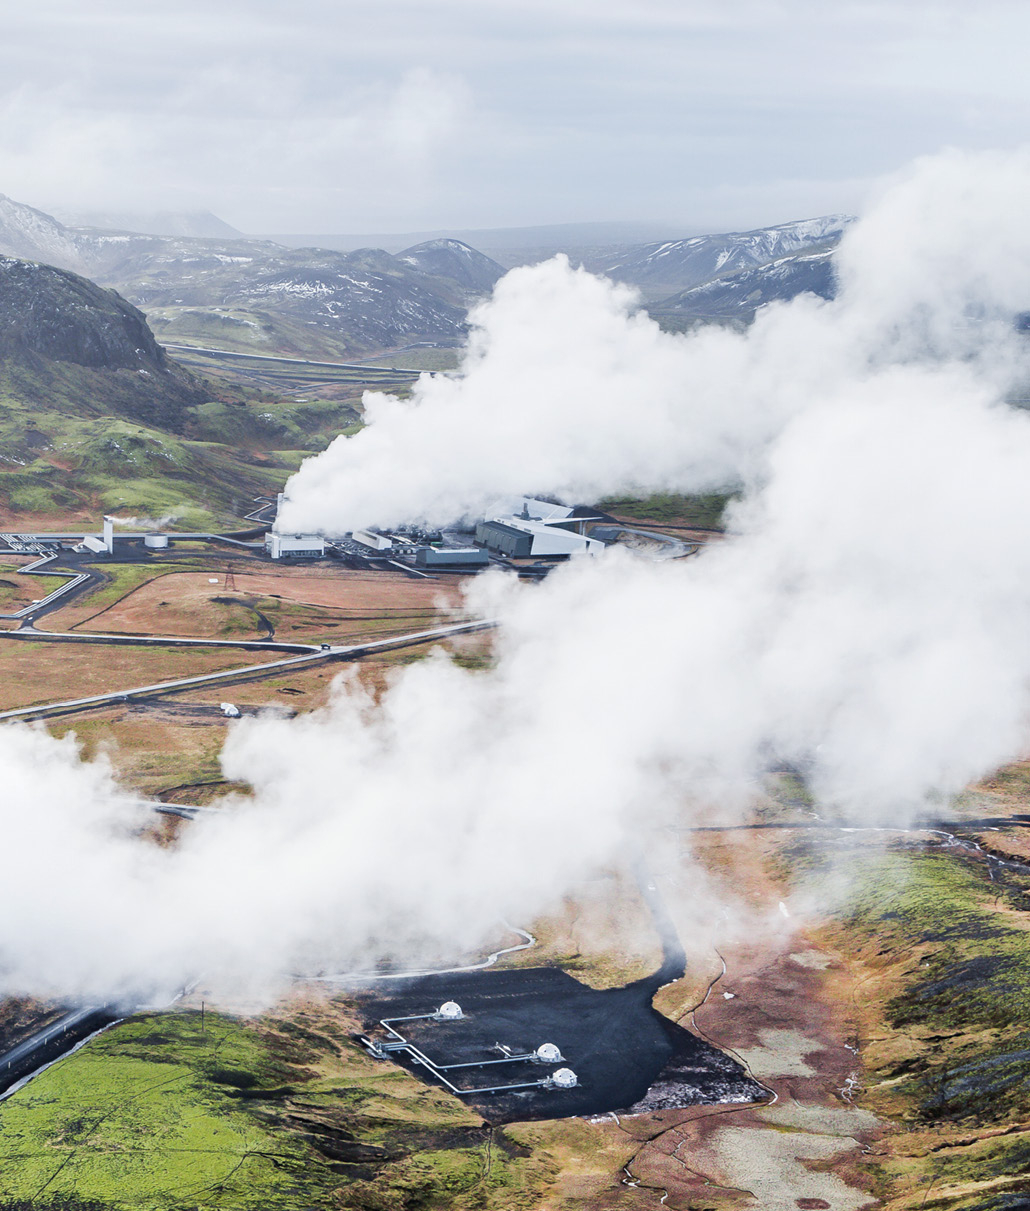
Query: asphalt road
point(675, 548)
point(381, 371)
point(247, 672)
point(168, 641)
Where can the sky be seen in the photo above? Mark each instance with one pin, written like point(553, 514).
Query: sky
point(333, 116)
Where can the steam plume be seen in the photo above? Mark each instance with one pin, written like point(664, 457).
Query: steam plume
point(566, 389)
point(866, 619)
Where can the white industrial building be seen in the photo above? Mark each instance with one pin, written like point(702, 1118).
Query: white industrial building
point(373, 539)
point(540, 529)
point(294, 546)
point(96, 544)
point(520, 539)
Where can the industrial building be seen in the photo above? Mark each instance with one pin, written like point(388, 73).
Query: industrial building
point(373, 540)
point(539, 530)
point(451, 557)
point(96, 544)
point(294, 546)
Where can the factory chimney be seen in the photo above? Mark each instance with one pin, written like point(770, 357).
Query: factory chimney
point(109, 535)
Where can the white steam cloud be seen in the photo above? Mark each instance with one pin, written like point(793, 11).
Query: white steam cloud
point(567, 390)
point(866, 620)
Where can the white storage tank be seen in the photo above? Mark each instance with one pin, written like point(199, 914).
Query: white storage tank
point(156, 542)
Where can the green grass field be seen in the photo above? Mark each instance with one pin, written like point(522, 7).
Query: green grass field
point(168, 1111)
point(669, 509)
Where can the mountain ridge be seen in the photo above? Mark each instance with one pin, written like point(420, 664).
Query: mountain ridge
point(253, 295)
point(662, 269)
point(351, 304)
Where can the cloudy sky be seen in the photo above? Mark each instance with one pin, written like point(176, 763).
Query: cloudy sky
point(403, 115)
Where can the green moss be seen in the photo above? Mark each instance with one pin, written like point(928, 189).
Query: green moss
point(704, 512)
point(72, 440)
point(132, 1121)
point(969, 981)
point(180, 1112)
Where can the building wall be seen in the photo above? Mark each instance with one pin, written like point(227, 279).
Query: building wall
point(552, 540)
point(429, 557)
point(519, 539)
point(507, 539)
point(295, 546)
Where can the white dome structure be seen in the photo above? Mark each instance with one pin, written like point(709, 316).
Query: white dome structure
point(449, 1011)
point(548, 1053)
point(564, 1078)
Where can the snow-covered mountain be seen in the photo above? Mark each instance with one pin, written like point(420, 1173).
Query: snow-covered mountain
point(660, 270)
point(738, 295)
point(455, 260)
point(29, 233)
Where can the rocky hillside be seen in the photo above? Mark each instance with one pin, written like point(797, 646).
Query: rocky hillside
point(52, 320)
point(29, 233)
point(95, 417)
point(58, 315)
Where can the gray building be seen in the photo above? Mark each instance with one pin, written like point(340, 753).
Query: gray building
point(529, 537)
point(451, 557)
point(510, 540)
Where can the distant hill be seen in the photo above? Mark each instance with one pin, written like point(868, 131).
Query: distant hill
point(508, 246)
point(671, 266)
point(301, 300)
point(455, 260)
point(738, 295)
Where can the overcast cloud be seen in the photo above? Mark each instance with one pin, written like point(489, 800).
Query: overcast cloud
point(378, 115)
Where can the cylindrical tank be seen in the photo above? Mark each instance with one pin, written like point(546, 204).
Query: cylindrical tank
point(156, 542)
